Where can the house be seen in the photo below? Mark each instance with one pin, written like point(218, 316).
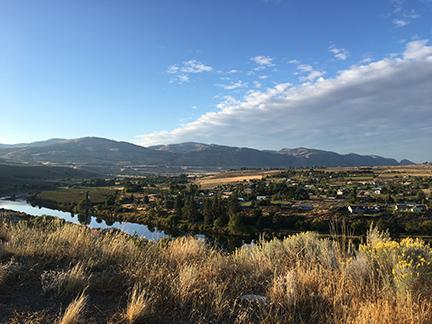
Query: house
point(410, 208)
point(359, 209)
point(261, 198)
point(340, 192)
point(419, 208)
point(377, 191)
point(355, 209)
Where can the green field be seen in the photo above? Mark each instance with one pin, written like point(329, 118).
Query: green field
point(97, 195)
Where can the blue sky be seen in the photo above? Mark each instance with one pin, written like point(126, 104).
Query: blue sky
point(235, 72)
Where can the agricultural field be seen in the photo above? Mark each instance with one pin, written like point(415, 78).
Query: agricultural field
point(73, 195)
point(232, 177)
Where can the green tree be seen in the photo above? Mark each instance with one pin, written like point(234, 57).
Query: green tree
point(235, 223)
point(259, 219)
point(421, 197)
point(190, 210)
point(208, 212)
point(179, 206)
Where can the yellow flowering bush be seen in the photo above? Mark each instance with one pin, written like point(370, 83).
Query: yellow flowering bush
point(405, 265)
point(413, 270)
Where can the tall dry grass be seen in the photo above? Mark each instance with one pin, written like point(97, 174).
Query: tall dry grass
point(74, 312)
point(300, 279)
point(138, 307)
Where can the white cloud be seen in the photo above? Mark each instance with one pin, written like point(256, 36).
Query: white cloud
point(312, 76)
point(401, 15)
point(383, 107)
point(309, 73)
point(180, 79)
point(305, 67)
point(400, 22)
point(181, 72)
point(367, 59)
point(263, 60)
point(191, 66)
point(257, 84)
point(234, 85)
point(232, 71)
point(339, 53)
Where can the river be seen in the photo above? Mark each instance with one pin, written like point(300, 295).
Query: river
point(154, 234)
point(92, 222)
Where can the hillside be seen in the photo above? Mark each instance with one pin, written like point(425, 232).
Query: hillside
point(312, 157)
point(85, 151)
point(107, 155)
point(15, 177)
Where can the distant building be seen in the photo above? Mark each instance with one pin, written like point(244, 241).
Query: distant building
point(410, 208)
point(360, 209)
point(261, 198)
point(377, 191)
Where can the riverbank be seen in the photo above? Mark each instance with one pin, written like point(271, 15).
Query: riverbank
point(13, 216)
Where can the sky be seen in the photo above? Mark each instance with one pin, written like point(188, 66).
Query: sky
point(340, 75)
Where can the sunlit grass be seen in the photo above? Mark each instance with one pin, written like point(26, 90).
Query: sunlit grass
point(303, 278)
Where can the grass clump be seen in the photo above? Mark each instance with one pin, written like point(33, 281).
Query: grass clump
point(74, 312)
point(138, 307)
point(65, 282)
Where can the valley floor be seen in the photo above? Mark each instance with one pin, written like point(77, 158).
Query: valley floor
point(52, 271)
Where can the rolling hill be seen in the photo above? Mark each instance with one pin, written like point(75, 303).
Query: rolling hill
point(93, 152)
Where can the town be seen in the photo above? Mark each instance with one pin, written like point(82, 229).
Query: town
point(251, 202)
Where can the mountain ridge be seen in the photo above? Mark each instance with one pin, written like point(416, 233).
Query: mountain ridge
point(89, 151)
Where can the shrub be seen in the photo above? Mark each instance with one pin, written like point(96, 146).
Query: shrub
point(65, 282)
point(405, 266)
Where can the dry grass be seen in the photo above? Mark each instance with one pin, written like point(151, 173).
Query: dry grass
point(301, 279)
point(75, 310)
point(138, 306)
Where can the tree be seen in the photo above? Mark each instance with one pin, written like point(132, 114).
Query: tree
point(235, 223)
point(219, 211)
point(190, 210)
point(179, 206)
point(353, 195)
point(421, 197)
point(259, 219)
point(208, 212)
point(301, 193)
point(233, 204)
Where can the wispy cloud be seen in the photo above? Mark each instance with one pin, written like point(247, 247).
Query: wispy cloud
point(400, 22)
point(191, 66)
point(308, 73)
point(263, 60)
point(381, 107)
point(181, 72)
point(181, 78)
point(234, 85)
point(257, 84)
point(338, 53)
point(402, 16)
